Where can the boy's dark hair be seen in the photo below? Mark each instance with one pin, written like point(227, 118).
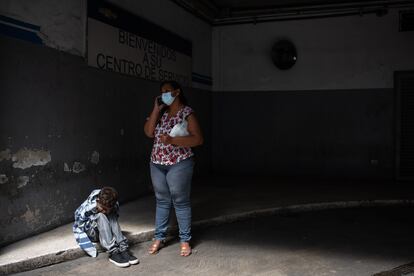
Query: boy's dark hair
point(108, 197)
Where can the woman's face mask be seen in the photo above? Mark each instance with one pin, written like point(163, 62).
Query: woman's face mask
point(167, 98)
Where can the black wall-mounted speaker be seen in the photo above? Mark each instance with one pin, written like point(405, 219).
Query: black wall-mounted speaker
point(284, 54)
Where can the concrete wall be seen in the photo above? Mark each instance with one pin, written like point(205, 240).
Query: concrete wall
point(343, 134)
point(63, 25)
point(173, 18)
point(66, 128)
point(330, 116)
point(333, 53)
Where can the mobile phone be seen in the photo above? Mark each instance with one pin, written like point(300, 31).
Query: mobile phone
point(159, 100)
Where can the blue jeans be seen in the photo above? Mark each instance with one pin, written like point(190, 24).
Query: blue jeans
point(109, 233)
point(172, 186)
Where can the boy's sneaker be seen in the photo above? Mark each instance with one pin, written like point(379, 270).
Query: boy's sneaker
point(118, 260)
point(127, 256)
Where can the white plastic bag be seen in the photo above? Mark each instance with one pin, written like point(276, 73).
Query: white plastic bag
point(180, 129)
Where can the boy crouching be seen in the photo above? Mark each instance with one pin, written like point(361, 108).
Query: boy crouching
point(97, 220)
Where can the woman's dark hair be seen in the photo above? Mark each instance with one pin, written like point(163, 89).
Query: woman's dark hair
point(108, 197)
point(175, 85)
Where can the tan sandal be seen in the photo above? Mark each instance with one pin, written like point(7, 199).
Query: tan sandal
point(156, 247)
point(185, 249)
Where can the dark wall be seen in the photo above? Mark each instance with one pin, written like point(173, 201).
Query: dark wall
point(51, 103)
point(346, 134)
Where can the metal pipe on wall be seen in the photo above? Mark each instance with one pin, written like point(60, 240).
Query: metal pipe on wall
point(208, 11)
point(310, 12)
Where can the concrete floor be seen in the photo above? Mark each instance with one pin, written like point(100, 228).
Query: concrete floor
point(215, 201)
point(356, 241)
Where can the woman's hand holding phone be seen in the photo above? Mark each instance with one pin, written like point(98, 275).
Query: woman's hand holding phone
point(158, 104)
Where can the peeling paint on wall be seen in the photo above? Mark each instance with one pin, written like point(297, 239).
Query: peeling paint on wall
point(22, 181)
point(78, 167)
point(3, 179)
point(26, 158)
point(95, 157)
point(66, 167)
point(5, 155)
point(30, 217)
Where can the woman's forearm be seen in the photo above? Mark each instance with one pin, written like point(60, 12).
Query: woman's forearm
point(151, 123)
point(187, 141)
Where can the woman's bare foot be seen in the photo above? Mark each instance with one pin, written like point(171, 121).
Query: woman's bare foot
point(156, 246)
point(185, 249)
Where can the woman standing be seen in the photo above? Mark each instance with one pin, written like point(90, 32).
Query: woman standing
point(172, 163)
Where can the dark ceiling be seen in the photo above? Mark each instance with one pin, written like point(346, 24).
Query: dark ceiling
point(226, 12)
point(243, 4)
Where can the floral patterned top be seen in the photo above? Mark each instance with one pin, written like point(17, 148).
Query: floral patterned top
point(170, 154)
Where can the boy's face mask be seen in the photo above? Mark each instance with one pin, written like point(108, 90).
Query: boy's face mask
point(167, 98)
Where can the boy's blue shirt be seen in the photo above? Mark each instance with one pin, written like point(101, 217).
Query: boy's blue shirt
point(85, 219)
